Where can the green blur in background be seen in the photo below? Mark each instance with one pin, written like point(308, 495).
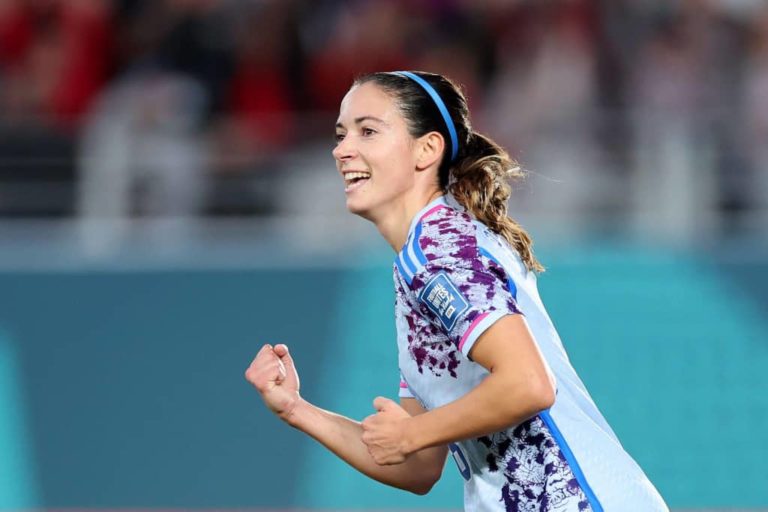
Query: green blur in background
point(125, 389)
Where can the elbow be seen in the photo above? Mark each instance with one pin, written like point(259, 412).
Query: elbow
point(541, 397)
point(545, 398)
point(536, 397)
point(422, 488)
point(425, 484)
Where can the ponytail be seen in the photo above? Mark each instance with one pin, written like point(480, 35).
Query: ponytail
point(479, 181)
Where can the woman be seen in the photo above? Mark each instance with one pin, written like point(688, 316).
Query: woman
point(484, 373)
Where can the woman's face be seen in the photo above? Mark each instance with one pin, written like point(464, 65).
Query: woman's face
point(374, 151)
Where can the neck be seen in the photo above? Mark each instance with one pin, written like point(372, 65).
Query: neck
point(395, 223)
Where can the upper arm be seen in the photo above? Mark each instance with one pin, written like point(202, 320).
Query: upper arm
point(508, 347)
point(462, 298)
point(474, 305)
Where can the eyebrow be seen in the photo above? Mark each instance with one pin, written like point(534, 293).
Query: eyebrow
point(361, 119)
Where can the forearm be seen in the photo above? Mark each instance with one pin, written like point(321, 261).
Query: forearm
point(343, 437)
point(490, 407)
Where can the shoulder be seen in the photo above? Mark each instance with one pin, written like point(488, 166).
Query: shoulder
point(446, 233)
point(442, 237)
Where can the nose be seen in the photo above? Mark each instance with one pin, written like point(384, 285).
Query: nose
point(344, 150)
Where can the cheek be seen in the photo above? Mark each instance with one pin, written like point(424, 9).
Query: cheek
point(396, 177)
point(398, 164)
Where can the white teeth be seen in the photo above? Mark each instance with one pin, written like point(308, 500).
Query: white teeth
point(355, 175)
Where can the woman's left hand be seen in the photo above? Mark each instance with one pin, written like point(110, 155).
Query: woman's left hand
point(384, 432)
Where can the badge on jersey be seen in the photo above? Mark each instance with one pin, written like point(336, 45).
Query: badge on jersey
point(442, 297)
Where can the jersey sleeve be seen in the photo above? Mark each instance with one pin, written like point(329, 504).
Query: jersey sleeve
point(463, 295)
point(405, 391)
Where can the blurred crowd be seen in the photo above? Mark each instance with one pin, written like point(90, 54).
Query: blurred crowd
point(655, 111)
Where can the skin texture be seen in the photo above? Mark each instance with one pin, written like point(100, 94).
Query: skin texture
point(517, 373)
point(372, 136)
point(273, 374)
point(402, 444)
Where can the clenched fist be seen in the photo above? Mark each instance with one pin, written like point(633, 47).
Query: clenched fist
point(274, 376)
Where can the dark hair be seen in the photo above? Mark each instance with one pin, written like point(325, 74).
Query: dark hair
point(479, 176)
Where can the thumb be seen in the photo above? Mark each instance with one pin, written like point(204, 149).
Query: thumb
point(286, 363)
point(381, 403)
point(282, 352)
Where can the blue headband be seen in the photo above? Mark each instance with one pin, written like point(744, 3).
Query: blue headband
point(440, 106)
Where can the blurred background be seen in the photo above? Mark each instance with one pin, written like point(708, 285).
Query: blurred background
point(168, 203)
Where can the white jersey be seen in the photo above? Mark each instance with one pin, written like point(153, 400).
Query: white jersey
point(454, 278)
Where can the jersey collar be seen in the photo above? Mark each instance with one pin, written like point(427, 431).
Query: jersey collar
point(434, 204)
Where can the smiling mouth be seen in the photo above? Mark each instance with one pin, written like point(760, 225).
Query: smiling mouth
point(355, 180)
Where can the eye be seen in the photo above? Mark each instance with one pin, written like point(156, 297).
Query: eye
point(338, 137)
point(367, 132)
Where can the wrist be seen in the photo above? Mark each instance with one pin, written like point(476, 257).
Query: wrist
point(411, 439)
point(296, 417)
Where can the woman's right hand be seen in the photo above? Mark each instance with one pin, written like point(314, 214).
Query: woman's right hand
point(274, 376)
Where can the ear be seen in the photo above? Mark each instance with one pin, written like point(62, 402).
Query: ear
point(429, 150)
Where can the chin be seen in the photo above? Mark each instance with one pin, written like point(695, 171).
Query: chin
point(361, 210)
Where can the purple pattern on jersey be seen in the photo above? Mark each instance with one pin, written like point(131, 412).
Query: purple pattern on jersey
point(448, 241)
point(538, 477)
point(449, 233)
point(428, 346)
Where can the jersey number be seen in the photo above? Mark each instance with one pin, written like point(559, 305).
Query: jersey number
point(461, 461)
